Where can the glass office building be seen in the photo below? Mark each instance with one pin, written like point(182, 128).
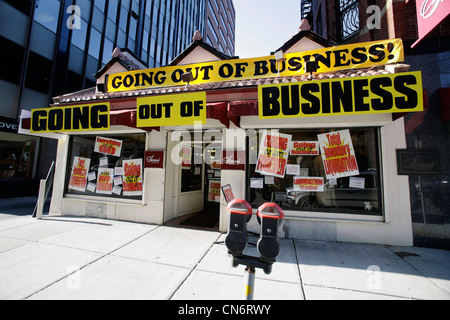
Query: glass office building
point(50, 47)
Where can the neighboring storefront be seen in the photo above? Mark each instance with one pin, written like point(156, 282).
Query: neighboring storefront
point(154, 145)
point(18, 160)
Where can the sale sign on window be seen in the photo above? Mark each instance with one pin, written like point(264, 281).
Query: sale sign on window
point(108, 146)
point(132, 177)
point(273, 154)
point(312, 184)
point(338, 155)
point(78, 177)
point(105, 181)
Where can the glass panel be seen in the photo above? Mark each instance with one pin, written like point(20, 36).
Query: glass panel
point(191, 173)
point(111, 167)
point(356, 194)
point(47, 14)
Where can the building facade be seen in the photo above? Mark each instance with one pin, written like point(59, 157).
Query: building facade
point(163, 144)
point(359, 21)
point(58, 46)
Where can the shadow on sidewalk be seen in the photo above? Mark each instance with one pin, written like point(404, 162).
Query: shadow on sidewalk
point(21, 206)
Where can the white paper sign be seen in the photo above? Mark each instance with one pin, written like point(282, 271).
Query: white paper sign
point(293, 169)
point(117, 190)
point(92, 176)
point(256, 183)
point(357, 183)
point(91, 187)
point(104, 162)
point(118, 181)
point(118, 171)
point(269, 180)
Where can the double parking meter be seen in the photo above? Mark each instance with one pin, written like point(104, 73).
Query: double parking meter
point(271, 218)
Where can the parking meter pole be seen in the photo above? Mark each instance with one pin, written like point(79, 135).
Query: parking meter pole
point(249, 283)
point(270, 217)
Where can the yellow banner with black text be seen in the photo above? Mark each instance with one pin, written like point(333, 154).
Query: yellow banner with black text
point(389, 93)
point(171, 110)
point(71, 118)
point(352, 56)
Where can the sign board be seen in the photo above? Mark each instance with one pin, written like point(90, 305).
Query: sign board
point(422, 161)
point(429, 14)
point(132, 177)
point(171, 110)
point(228, 193)
point(311, 184)
point(305, 148)
point(214, 191)
point(9, 125)
point(351, 56)
point(78, 176)
point(389, 93)
point(105, 181)
point(71, 118)
point(154, 159)
point(108, 146)
point(273, 154)
point(233, 160)
point(338, 155)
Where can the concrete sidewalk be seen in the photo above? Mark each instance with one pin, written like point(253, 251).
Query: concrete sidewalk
point(87, 258)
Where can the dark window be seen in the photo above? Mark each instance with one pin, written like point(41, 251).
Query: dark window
point(191, 175)
point(74, 82)
point(21, 5)
point(38, 73)
point(11, 56)
point(348, 18)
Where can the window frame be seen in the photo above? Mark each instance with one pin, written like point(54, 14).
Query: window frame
point(331, 213)
point(94, 196)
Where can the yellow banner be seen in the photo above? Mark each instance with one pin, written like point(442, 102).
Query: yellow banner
point(72, 118)
point(358, 55)
point(171, 110)
point(390, 93)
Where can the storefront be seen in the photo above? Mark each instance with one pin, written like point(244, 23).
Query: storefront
point(18, 160)
point(155, 145)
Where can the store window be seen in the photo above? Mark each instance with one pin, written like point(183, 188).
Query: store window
point(17, 156)
point(106, 166)
point(319, 170)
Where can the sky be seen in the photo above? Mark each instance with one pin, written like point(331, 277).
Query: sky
point(262, 26)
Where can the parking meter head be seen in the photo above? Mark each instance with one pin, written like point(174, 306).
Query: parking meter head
point(271, 216)
point(240, 213)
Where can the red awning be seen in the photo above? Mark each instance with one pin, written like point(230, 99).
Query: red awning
point(218, 111)
point(126, 118)
point(238, 109)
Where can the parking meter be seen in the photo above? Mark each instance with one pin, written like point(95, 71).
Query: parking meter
point(237, 238)
point(271, 216)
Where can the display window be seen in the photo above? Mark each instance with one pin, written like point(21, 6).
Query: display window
point(106, 166)
point(17, 156)
point(320, 170)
